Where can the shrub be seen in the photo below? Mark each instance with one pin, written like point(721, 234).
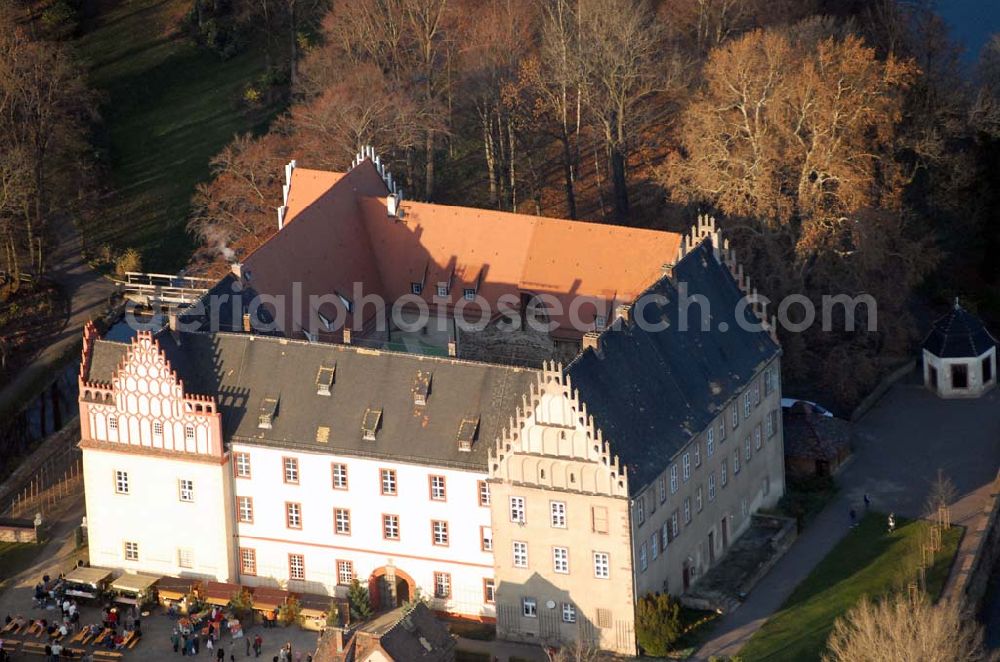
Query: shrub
point(290, 612)
point(130, 260)
point(333, 614)
point(657, 623)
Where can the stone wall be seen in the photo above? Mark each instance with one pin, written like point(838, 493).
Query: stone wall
point(970, 575)
point(17, 530)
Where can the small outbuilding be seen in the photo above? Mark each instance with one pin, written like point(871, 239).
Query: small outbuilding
point(815, 444)
point(960, 356)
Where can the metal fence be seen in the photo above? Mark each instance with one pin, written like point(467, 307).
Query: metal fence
point(59, 477)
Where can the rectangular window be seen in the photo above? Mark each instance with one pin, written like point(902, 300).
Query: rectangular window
point(442, 585)
point(769, 424)
point(640, 509)
point(654, 545)
point(484, 493)
point(439, 533)
point(345, 572)
point(599, 519)
point(673, 478)
point(486, 538)
point(390, 527)
point(568, 612)
point(756, 393)
point(560, 560)
point(602, 565)
point(746, 448)
point(245, 508)
point(767, 382)
point(746, 405)
point(735, 415)
point(529, 608)
point(711, 486)
point(722, 429)
point(662, 486)
point(437, 488)
point(248, 561)
point(643, 561)
point(121, 482)
point(686, 462)
point(600, 321)
point(158, 428)
point(710, 441)
point(342, 521)
point(189, 433)
point(724, 472)
point(185, 489)
point(675, 527)
point(241, 462)
point(517, 509)
point(489, 591)
point(697, 454)
point(736, 461)
point(520, 554)
point(744, 507)
point(699, 499)
point(291, 470)
point(293, 515)
point(416, 288)
point(687, 510)
point(131, 551)
point(442, 289)
point(756, 437)
point(388, 481)
point(185, 558)
point(113, 423)
point(469, 293)
point(339, 476)
point(557, 512)
point(665, 535)
point(296, 566)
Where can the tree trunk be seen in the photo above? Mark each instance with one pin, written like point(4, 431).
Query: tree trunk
point(568, 174)
point(490, 156)
point(293, 44)
point(513, 172)
point(429, 167)
point(619, 182)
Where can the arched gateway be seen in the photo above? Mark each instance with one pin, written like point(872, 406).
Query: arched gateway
point(389, 587)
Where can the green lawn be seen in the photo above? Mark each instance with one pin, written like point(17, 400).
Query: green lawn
point(167, 108)
point(15, 557)
point(868, 561)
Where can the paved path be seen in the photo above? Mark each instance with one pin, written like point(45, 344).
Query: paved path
point(902, 442)
point(87, 292)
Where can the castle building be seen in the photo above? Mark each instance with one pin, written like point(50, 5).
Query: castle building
point(547, 498)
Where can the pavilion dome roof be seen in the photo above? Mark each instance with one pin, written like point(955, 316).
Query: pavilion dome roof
point(959, 334)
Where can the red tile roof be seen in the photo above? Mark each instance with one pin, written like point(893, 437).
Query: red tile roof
point(338, 232)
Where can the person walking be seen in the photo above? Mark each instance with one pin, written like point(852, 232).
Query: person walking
point(248, 646)
point(220, 655)
point(868, 501)
point(175, 640)
point(258, 644)
point(208, 642)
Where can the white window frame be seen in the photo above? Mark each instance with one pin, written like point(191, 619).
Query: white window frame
point(185, 490)
point(746, 404)
point(517, 510)
point(340, 476)
point(724, 472)
point(529, 607)
point(560, 560)
point(643, 560)
point(756, 437)
point(710, 441)
point(519, 553)
point(568, 612)
point(687, 510)
point(440, 535)
point(746, 448)
point(388, 483)
point(416, 288)
point(673, 479)
point(557, 514)
point(662, 487)
point(699, 499)
point(244, 506)
point(654, 545)
point(686, 463)
point(185, 557)
point(342, 521)
point(697, 454)
point(602, 565)
point(131, 550)
point(242, 461)
point(711, 486)
point(121, 482)
point(735, 414)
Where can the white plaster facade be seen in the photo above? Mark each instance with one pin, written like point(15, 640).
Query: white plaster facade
point(942, 375)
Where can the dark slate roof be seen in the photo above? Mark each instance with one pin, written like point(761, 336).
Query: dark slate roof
point(415, 636)
point(222, 308)
point(240, 370)
point(650, 391)
point(958, 334)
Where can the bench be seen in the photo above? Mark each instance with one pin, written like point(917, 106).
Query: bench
point(10, 645)
point(33, 648)
point(107, 656)
point(131, 644)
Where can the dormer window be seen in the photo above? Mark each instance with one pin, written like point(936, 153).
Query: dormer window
point(348, 304)
point(268, 412)
point(324, 378)
point(600, 321)
point(371, 423)
point(469, 293)
point(467, 431)
point(325, 321)
point(416, 288)
point(421, 388)
point(442, 289)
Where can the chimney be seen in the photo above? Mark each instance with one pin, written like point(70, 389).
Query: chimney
point(247, 327)
point(237, 269)
point(173, 322)
point(591, 340)
point(347, 335)
point(667, 269)
point(392, 203)
point(452, 348)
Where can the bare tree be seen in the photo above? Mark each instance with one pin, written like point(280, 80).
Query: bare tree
point(898, 628)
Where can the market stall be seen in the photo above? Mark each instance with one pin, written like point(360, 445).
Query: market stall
point(267, 599)
point(86, 583)
point(314, 609)
point(174, 592)
point(135, 589)
point(218, 593)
